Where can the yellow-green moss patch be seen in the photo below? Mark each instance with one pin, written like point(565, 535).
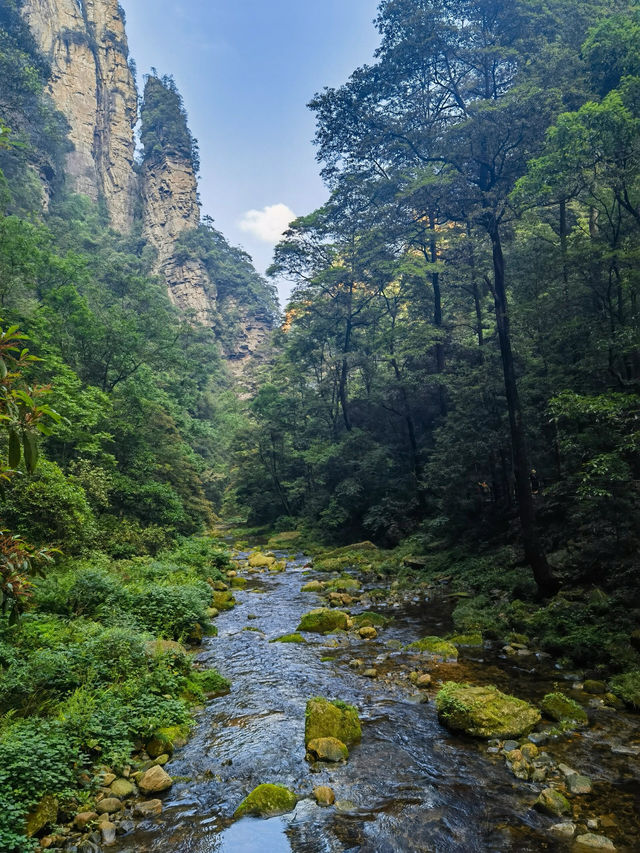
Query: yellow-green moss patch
point(484, 711)
point(331, 719)
point(267, 801)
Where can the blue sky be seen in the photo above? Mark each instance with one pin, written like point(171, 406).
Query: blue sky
point(246, 70)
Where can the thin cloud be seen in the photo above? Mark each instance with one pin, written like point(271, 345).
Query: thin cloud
point(268, 224)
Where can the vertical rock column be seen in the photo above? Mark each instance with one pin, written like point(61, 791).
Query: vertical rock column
point(92, 86)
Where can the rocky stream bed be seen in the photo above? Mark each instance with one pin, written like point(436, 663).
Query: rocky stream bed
point(409, 784)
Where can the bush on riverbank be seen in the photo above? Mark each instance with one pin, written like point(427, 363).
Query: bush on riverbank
point(94, 669)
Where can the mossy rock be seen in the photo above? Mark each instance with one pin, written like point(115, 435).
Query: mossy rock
point(267, 801)
point(44, 814)
point(370, 620)
point(553, 803)
point(224, 600)
point(435, 646)
point(331, 719)
point(313, 586)
point(328, 749)
point(178, 735)
point(261, 561)
point(238, 583)
point(323, 620)
point(343, 585)
point(561, 708)
point(212, 682)
point(467, 640)
point(357, 548)
point(159, 744)
point(277, 567)
point(286, 539)
point(289, 638)
point(484, 712)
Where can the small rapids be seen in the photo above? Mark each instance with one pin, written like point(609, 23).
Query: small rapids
point(409, 785)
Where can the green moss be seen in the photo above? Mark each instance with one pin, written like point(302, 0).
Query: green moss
point(484, 711)
point(326, 719)
point(561, 708)
point(211, 681)
point(370, 620)
point(267, 801)
point(313, 586)
point(323, 620)
point(289, 638)
point(627, 687)
point(467, 640)
point(435, 646)
point(327, 749)
point(286, 539)
point(238, 583)
point(343, 585)
point(223, 600)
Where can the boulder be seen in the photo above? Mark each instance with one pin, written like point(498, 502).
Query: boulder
point(267, 801)
point(46, 812)
point(368, 619)
point(561, 708)
point(552, 802)
point(110, 805)
point(322, 620)
point(155, 780)
point(484, 711)
point(435, 646)
point(220, 586)
point(563, 830)
point(325, 719)
point(122, 789)
point(370, 673)
point(108, 832)
point(159, 744)
point(324, 796)
point(579, 784)
point(327, 749)
point(367, 633)
point(261, 561)
point(597, 688)
point(289, 638)
point(223, 600)
point(148, 808)
point(590, 841)
point(83, 819)
point(313, 586)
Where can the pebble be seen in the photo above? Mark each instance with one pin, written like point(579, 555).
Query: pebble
point(538, 738)
point(108, 833)
point(510, 745)
point(595, 842)
point(564, 830)
point(109, 805)
point(370, 673)
point(148, 808)
point(579, 784)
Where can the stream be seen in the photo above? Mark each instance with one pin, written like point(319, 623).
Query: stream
point(409, 785)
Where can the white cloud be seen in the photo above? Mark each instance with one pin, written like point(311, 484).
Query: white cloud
point(268, 224)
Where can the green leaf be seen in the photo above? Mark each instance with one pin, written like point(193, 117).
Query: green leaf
point(31, 452)
point(14, 449)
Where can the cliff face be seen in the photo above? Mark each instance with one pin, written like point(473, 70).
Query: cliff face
point(92, 86)
point(170, 197)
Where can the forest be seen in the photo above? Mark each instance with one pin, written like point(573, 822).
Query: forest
point(454, 384)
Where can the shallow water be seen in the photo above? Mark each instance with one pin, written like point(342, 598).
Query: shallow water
point(409, 786)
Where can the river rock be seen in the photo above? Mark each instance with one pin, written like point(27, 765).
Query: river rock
point(108, 832)
point(110, 805)
point(597, 688)
point(261, 561)
point(335, 719)
point(579, 784)
point(324, 796)
point(553, 802)
point(327, 749)
point(122, 789)
point(159, 744)
point(148, 808)
point(83, 819)
point(220, 586)
point(435, 646)
point(370, 673)
point(561, 708)
point(267, 801)
point(356, 663)
point(323, 620)
point(44, 813)
point(223, 600)
point(564, 830)
point(367, 633)
point(155, 780)
point(107, 778)
point(484, 711)
point(313, 586)
point(529, 751)
point(590, 841)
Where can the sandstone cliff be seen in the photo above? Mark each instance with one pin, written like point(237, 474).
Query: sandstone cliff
point(92, 86)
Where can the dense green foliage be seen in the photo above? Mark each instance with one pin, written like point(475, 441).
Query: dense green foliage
point(164, 130)
point(461, 349)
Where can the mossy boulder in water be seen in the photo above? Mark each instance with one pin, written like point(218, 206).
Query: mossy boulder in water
point(435, 646)
point(261, 561)
point(552, 802)
point(561, 708)
point(327, 749)
point(224, 600)
point(484, 711)
point(467, 639)
point(322, 619)
point(325, 719)
point(267, 801)
point(289, 638)
point(343, 585)
point(370, 620)
point(313, 586)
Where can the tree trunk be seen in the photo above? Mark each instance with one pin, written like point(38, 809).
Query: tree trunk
point(534, 553)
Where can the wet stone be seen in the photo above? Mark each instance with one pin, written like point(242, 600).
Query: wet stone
point(590, 841)
point(563, 830)
point(579, 784)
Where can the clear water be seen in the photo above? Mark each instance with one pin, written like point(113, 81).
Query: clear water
point(409, 786)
